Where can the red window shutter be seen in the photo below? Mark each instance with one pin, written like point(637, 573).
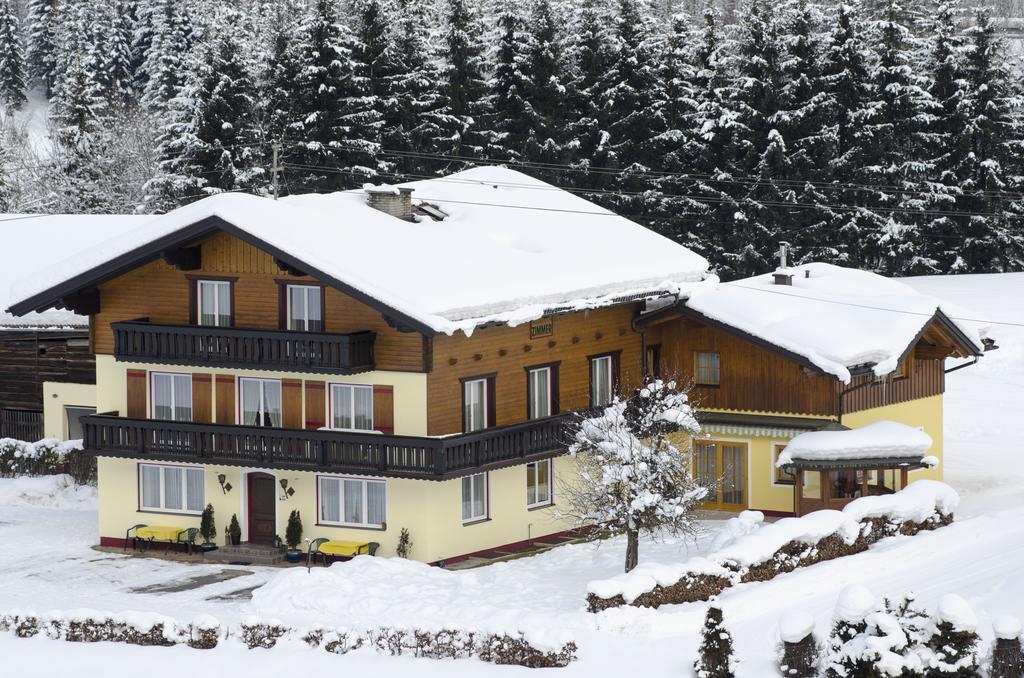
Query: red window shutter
point(202, 398)
point(316, 407)
point(384, 408)
point(136, 395)
point(291, 403)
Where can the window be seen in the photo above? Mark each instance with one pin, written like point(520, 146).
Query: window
point(177, 489)
point(72, 419)
point(352, 407)
point(654, 361)
point(707, 369)
point(474, 498)
point(602, 380)
point(540, 392)
point(261, 402)
point(172, 396)
point(782, 476)
point(476, 405)
point(214, 299)
point(305, 308)
point(538, 483)
point(902, 370)
point(353, 502)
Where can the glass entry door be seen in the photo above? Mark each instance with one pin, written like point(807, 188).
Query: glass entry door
point(723, 468)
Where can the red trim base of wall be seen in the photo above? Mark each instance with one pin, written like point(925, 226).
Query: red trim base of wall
point(776, 514)
point(514, 546)
point(121, 543)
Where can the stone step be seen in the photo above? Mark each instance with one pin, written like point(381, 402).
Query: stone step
point(249, 554)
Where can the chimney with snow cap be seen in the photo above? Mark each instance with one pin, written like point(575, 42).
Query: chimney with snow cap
point(393, 200)
point(783, 274)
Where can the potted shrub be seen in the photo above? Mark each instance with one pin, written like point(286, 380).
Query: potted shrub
point(208, 529)
point(293, 537)
point(235, 530)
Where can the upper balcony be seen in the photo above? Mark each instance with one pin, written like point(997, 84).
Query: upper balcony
point(350, 452)
point(284, 350)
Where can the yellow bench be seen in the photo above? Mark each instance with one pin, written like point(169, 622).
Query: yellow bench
point(170, 534)
point(338, 547)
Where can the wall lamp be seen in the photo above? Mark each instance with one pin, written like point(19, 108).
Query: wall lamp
point(224, 486)
point(289, 491)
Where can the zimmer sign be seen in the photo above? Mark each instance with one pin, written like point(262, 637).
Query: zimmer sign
point(542, 328)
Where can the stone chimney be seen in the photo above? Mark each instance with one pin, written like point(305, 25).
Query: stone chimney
point(393, 200)
point(783, 274)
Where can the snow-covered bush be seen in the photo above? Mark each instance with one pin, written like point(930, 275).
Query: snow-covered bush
point(46, 457)
point(632, 478)
point(715, 656)
point(799, 654)
point(954, 640)
point(1007, 653)
point(846, 655)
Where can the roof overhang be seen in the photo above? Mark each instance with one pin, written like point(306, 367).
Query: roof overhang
point(57, 295)
point(867, 463)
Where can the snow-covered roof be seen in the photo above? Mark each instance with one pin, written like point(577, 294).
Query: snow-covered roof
point(878, 440)
point(34, 243)
point(836, 318)
point(511, 248)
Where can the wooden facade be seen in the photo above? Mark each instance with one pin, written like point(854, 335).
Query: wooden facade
point(161, 293)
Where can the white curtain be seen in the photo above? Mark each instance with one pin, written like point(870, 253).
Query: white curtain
point(474, 499)
point(313, 303)
point(250, 402)
point(531, 483)
point(297, 308)
point(172, 488)
point(163, 386)
point(341, 406)
point(353, 501)
point(476, 406)
point(376, 503)
point(150, 486)
point(207, 303)
point(543, 481)
point(272, 403)
point(467, 497)
point(330, 500)
point(223, 304)
point(363, 406)
point(182, 397)
point(540, 393)
point(194, 490)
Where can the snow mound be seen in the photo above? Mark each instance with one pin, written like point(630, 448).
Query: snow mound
point(917, 502)
point(955, 611)
point(855, 604)
point(888, 439)
point(761, 545)
point(57, 491)
point(370, 592)
point(1006, 627)
point(795, 626)
point(740, 526)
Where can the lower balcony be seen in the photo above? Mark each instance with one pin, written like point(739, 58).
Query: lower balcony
point(288, 351)
point(425, 457)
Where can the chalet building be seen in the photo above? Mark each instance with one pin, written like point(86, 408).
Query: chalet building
point(407, 357)
point(45, 356)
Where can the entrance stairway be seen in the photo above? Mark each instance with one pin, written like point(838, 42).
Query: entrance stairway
point(246, 554)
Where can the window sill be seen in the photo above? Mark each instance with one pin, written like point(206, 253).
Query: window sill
point(343, 526)
point(537, 507)
point(165, 512)
point(707, 385)
point(475, 521)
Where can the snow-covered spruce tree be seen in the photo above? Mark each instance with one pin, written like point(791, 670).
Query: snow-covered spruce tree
point(954, 641)
point(279, 84)
point(992, 167)
point(799, 652)
point(845, 655)
point(42, 25)
point(715, 656)
point(420, 123)
point(632, 478)
point(110, 50)
point(588, 57)
point(166, 66)
point(463, 84)
point(6, 181)
point(378, 69)
point(511, 121)
point(1007, 653)
point(545, 71)
point(12, 59)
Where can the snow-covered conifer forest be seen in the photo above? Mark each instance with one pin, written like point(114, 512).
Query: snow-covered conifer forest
point(883, 134)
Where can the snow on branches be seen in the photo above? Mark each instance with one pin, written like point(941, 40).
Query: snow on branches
point(632, 477)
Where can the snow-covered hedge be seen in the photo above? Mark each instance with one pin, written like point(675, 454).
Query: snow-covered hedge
point(206, 633)
point(46, 457)
point(779, 547)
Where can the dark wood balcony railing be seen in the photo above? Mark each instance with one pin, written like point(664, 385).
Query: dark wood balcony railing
point(434, 458)
point(288, 351)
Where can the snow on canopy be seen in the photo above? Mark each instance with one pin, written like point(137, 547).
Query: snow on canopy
point(38, 242)
point(837, 318)
point(878, 440)
point(510, 248)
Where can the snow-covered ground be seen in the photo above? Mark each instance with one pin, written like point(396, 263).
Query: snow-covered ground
point(46, 563)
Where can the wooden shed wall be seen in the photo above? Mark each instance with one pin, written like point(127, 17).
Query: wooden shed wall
point(27, 359)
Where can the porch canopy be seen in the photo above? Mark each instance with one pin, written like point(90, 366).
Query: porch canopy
point(834, 467)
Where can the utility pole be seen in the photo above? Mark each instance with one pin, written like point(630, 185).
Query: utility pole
point(276, 169)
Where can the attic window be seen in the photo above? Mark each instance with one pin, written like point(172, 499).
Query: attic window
point(432, 211)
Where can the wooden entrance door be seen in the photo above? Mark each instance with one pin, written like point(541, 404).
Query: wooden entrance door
point(262, 508)
point(722, 466)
